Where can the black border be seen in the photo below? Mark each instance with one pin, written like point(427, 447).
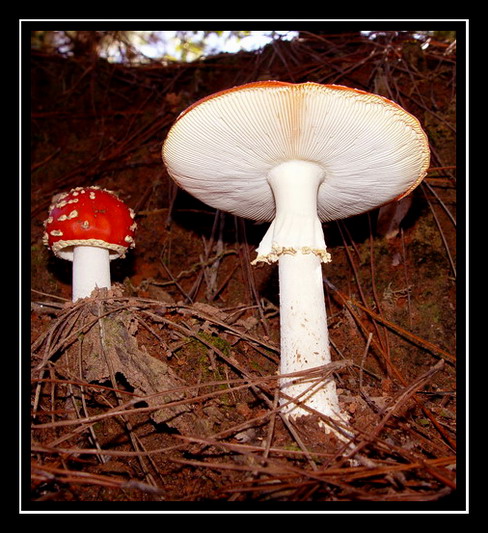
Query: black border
point(457, 501)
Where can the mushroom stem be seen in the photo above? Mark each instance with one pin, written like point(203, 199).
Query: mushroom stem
point(296, 225)
point(304, 335)
point(295, 238)
point(91, 269)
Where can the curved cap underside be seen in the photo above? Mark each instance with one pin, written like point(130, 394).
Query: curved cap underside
point(222, 148)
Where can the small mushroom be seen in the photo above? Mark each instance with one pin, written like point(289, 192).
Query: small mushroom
point(297, 155)
point(89, 226)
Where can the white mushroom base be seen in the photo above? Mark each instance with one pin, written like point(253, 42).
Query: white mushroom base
point(91, 270)
point(304, 336)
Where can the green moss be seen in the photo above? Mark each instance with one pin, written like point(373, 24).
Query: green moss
point(38, 257)
point(219, 343)
point(292, 447)
point(431, 310)
point(213, 372)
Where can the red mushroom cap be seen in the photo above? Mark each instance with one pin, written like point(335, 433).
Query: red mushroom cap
point(89, 216)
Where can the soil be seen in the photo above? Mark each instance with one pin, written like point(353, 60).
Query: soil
point(187, 305)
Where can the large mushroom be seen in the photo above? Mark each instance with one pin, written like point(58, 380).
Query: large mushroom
point(297, 155)
point(89, 226)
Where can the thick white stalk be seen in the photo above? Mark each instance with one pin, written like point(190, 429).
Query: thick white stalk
point(304, 336)
point(91, 269)
point(296, 225)
point(296, 240)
